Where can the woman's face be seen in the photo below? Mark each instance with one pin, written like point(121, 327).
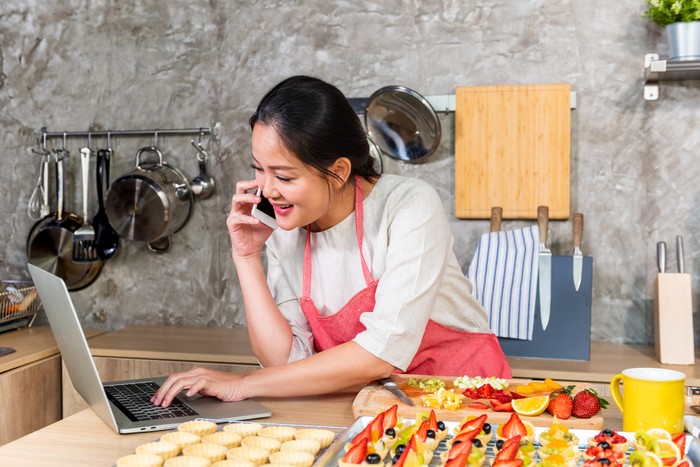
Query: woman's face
point(300, 195)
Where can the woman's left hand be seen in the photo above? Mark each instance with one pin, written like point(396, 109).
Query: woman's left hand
point(219, 384)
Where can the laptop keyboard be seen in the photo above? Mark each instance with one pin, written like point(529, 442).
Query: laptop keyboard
point(134, 399)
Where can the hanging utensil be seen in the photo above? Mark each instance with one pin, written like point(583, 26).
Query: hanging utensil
point(106, 238)
point(84, 238)
point(545, 267)
point(37, 207)
point(577, 260)
point(203, 185)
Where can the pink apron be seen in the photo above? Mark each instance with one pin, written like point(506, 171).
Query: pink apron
point(442, 351)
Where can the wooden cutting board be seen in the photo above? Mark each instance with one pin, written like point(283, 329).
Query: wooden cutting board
point(373, 398)
point(512, 149)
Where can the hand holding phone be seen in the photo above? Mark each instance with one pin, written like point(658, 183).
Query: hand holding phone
point(264, 211)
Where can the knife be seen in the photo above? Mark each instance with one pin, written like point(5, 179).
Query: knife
point(545, 266)
point(496, 217)
point(578, 256)
point(679, 254)
point(393, 388)
point(661, 256)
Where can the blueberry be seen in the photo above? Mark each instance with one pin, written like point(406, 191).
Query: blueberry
point(486, 428)
point(607, 432)
point(431, 434)
point(604, 461)
point(499, 444)
point(400, 449)
point(477, 443)
point(373, 458)
point(390, 432)
point(441, 426)
point(604, 445)
point(395, 459)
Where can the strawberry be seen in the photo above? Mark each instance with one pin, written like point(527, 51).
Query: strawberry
point(679, 440)
point(477, 422)
point(458, 461)
point(356, 454)
point(508, 463)
point(514, 427)
point(561, 404)
point(478, 406)
point(391, 417)
point(459, 449)
point(587, 403)
point(507, 407)
point(509, 449)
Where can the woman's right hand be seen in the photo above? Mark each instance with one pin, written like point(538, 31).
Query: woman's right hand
point(247, 233)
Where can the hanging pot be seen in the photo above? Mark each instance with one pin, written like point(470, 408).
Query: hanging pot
point(150, 203)
point(402, 123)
point(50, 243)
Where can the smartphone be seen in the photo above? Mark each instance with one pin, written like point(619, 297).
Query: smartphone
point(264, 211)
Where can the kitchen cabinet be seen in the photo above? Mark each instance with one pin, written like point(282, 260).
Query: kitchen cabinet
point(30, 382)
point(656, 69)
point(146, 351)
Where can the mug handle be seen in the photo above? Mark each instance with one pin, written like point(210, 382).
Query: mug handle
point(615, 390)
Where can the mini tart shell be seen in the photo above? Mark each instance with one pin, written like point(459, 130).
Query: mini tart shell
point(211, 451)
point(225, 438)
point(308, 445)
point(140, 460)
point(269, 444)
point(325, 437)
point(243, 429)
point(280, 433)
point(234, 463)
point(299, 458)
point(181, 438)
point(187, 461)
point(251, 453)
point(164, 449)
point(198, 427)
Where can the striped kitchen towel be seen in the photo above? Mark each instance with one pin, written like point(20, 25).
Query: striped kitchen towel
point(504, 274)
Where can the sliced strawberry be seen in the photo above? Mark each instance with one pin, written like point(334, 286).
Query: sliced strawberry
point(362, 437)
point(356, 454)
point(507, 407)
point(471, 393)
point(502, 396)
point(683, 464)
point(467, 435)
point(391, 416)
point(679, 440)
point(459, 449)
point(508, 463)
point(477, 422)
point(509, 449)
point(459, 461)
point(422, 432)
point(668, 460)
point(485, 391)
point(411, 446)
point(432, 421)
point(478, 406)
point(514, 426)
point(376, 427)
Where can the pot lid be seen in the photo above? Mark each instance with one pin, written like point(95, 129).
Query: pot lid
point(137, 208)
point(402, 123)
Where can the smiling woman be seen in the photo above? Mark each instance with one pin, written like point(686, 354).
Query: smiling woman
point(361, 278)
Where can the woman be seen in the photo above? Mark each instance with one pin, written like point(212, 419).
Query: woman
point(361, 277)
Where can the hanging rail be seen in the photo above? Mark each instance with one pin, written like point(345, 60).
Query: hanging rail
point(44, 134)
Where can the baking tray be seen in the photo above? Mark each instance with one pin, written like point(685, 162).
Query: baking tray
point(335, 451)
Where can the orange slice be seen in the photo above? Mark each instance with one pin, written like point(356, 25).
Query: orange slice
point(531, 406)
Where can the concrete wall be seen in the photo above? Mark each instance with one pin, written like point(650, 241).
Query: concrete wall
point(104, 64)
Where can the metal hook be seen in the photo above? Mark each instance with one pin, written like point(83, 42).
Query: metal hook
point(201, 152)
point(155, 138)
point(44, 151)
point(109, 139)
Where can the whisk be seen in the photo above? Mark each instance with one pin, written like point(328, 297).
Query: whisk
point(38, 205)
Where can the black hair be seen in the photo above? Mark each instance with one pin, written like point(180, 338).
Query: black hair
point(317, 124)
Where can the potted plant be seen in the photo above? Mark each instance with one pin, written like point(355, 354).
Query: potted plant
point(681, 19)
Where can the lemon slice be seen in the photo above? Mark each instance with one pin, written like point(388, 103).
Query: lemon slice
point(645, 459)
point(659, 433)
point(666, 449)
point(531, 406)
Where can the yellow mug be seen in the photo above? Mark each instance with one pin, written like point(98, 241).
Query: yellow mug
point(651, 398)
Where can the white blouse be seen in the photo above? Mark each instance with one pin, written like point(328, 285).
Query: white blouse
point(407, 244)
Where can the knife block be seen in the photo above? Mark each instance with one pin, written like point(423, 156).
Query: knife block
point(673, 319)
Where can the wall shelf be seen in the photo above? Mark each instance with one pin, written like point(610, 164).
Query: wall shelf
point(656, 69)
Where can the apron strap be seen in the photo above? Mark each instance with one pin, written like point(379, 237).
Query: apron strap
point(359, 218)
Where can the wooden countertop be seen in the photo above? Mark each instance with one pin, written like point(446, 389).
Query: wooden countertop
point(31, 345)
point(192, 344)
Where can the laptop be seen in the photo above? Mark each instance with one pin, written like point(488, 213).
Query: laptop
point(124, 405)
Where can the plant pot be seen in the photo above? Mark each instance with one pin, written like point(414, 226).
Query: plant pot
point(683, 41)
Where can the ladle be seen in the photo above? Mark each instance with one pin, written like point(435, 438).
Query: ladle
point(106, 238)
point(203, 185)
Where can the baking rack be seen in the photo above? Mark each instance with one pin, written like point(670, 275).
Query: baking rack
point(19, 304)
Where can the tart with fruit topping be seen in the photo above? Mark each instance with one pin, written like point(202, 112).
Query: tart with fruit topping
point(613, 438)
point(413, 454)
point(603, 450)
point(558, 431)
point(525, 452)
point(507, 455)
point(471, 423)
point(463, 454)
point(556, 460)
point(371, 439)
point(562, 448)
point(438, 427)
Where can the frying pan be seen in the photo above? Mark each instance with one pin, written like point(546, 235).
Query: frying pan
point(402, 123)
point(50, 243)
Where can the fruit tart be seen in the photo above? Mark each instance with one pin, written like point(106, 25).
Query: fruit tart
point(412, 454)
point(390, 426)
point(516, 426)
point(562, 448)
point(613, 438)
point(463, 454)
point(507, 455)
point(604, 450)
point(371, 438)
point(558, 431)
point(525, 449)
point(438, 427)
point(556, 460)
point(484, 433)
